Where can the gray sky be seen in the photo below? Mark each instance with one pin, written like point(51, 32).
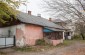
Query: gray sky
point(34, 6)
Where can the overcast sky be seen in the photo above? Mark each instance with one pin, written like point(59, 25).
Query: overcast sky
point(35, 7)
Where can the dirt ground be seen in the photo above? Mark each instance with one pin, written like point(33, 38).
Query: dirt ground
point(78, 48)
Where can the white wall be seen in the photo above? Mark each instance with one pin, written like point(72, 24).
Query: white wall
point(4, 31)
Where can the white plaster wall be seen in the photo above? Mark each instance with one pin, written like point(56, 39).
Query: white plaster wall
point(13, 28)
point(4, 31)
point(20, 42)
point(21, 26)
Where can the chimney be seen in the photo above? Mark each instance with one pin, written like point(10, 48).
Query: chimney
point(39, 15)
point(50, 19)
point(29, 12)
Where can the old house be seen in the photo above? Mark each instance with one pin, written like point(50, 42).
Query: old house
point(32, 28)
point(67, 25)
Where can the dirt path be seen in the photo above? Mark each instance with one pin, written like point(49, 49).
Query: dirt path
point(75, 49)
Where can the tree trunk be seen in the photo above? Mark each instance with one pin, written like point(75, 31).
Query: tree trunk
point(82, 36)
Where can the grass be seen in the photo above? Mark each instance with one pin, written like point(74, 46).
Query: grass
point(69, 42)
point(81, 41)
point(65, 43)
point(41, 45)
point(34, 48)
point(26, 49)
point(39, 48)
point(45, 47)
point(2, 53)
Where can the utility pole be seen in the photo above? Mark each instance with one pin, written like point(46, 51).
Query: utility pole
point(25, 2)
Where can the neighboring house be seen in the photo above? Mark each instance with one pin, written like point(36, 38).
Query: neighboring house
point(31, 28)
point(68, 26)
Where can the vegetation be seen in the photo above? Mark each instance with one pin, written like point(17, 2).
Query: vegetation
point(77, 37)
point(2, 53)
point(66, 9)
point(65, 43)
point(7, 14)
point(70, 42)
point(25, 49)
point(41, 42)
point(10, 2)
point(8, 11)
point(46, 47)
point(41, 45)
point(34, 48)
point(14, 3)
point(80, 29)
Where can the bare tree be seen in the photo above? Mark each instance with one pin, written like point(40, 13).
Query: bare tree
point(80, 29)
point(68, 10)
point(65, 8)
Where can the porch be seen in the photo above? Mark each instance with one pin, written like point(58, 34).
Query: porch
point(68, 35)
point(53, 37)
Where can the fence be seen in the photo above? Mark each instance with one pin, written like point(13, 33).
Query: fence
point(6, 41)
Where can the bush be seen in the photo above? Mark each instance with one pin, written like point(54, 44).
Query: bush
point(77, 37)
point(40, 42)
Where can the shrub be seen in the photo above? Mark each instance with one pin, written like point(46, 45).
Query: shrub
point(40, 42)
point(77, 37)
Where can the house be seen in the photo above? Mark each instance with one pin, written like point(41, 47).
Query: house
point(31, 28)
point(67, 24)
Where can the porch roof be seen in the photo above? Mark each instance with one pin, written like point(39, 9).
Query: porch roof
point(47, 29)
